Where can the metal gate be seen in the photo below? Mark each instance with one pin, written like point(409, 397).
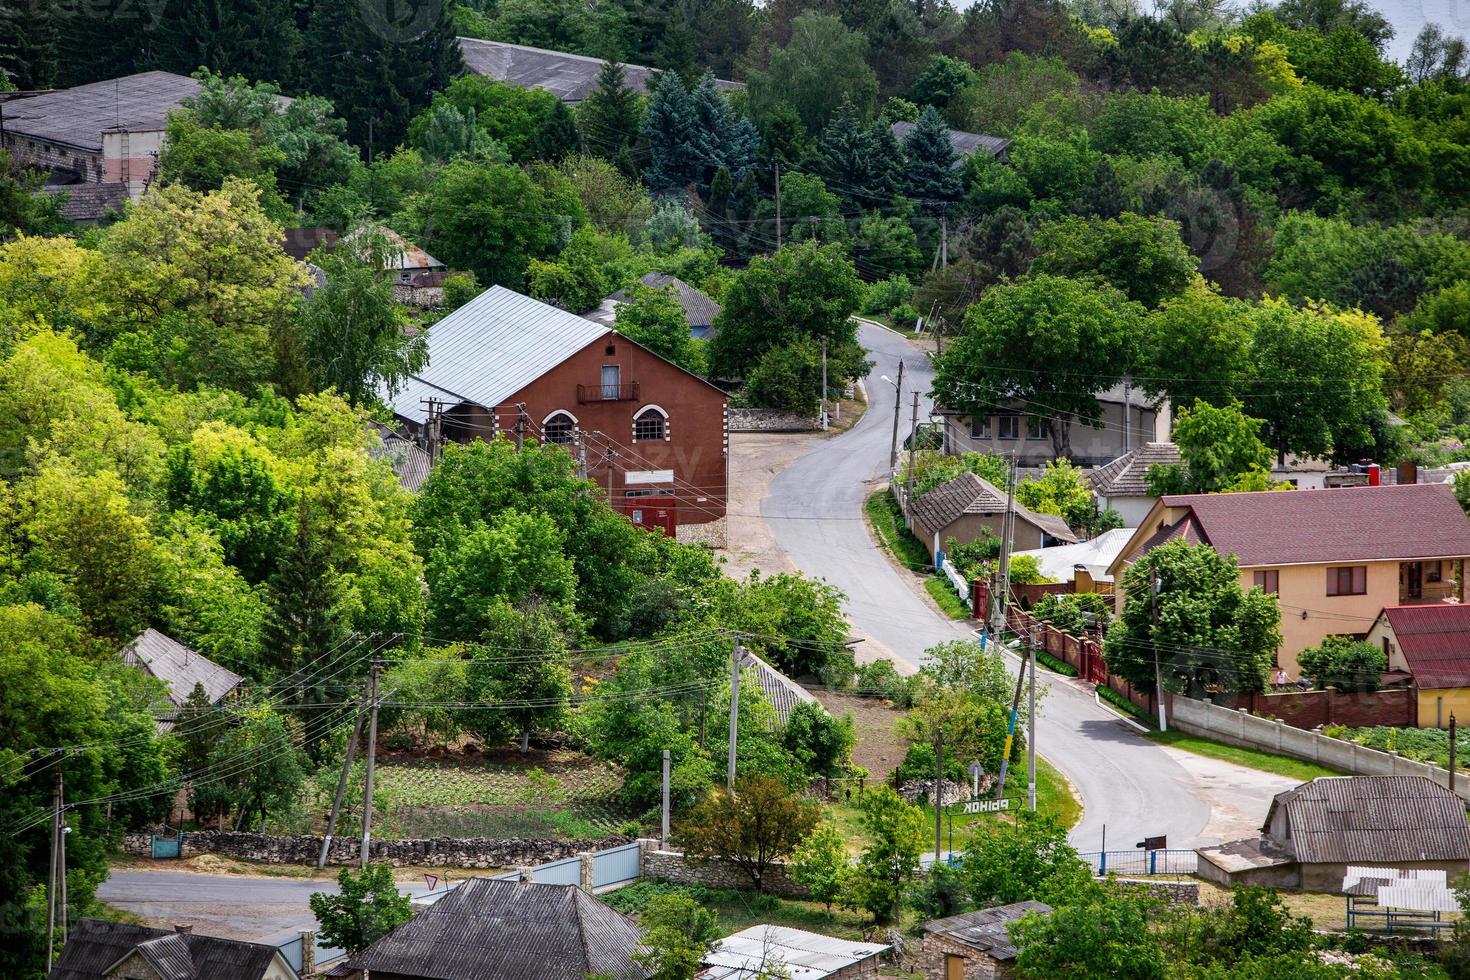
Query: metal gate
point(1095, 667)
point(168, 847)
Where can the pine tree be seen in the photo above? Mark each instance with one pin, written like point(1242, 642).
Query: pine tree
point(671, 127)
point(742, 210)
point(932, 178)
point(254, 38)
point(744, 146)
point(717, 208)
point(111, 40)
point(783, 142)
point(888, 162)
point(610, 115)
point(846, 158)
point(558, 135)
point(29, 35)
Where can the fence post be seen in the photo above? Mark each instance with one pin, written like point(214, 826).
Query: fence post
point(1102, 863)
point(308, 953)
point(587, 859)
point(1153, 860)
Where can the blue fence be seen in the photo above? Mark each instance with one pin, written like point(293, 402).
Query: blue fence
point(1141, 863)
point(291, 953)
point(567, 871)
point(616, 865)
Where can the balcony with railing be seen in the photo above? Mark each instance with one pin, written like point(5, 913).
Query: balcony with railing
point(1426, 582)
point(588, 394)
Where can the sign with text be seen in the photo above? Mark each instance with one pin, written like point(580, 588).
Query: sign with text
point(984, 806)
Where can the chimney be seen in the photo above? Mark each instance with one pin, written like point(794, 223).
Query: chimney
point(182, 929)
point(1373, 475)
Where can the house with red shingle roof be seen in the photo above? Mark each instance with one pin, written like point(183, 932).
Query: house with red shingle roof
point(1431, 643)
point(1334, 558)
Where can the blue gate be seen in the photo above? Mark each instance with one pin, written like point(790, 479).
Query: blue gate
point(567, 871)
point(616, 865)
point(168, 847)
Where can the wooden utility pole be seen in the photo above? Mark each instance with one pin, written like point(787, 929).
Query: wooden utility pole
point(1031, 724)
point(897, 406)
point(938, 788)
point(908, 495)
point(52, 887)
point(735, 653)
point(321, 861)
point(778, 205)
point(824, 384)
point(1153, 604)
point(944, 242)
point(1007, 529)
point(372, 759)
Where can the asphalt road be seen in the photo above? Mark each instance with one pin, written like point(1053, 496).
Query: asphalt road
point(815, 509)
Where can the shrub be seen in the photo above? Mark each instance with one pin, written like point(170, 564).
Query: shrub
point(918, 763)
point(1070, 613)
point(1344, 663)
point(787, 378)
point(881, 679)
point(886, 294)
point(904, 315)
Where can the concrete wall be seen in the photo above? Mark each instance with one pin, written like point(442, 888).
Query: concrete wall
point(1239, 727)
point(771, 420)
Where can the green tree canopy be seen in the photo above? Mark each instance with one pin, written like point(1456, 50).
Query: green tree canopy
point(1220, 450)
point(761, 822)
point(1144, 258)
point(367, 907)
point(820, 67)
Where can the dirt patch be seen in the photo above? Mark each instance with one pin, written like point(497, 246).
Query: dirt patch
point(879, 747)
point(755, 460)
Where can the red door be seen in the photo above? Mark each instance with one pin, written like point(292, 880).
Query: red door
point(653, 513)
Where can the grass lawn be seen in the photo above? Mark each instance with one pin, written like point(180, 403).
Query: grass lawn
point(886, 521)
point(944, 596)
point(1250, 758)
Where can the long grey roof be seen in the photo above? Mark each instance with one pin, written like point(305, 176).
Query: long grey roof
point(1380, 819)
point(179, 667)
point(96, 945)
point(964, 143)
point(699, 310)
point(988, 929)
point(492, 347)
point(570, 77)
point(970, 494)
point(79, 116)
point(490, 929)
point(1127, 476)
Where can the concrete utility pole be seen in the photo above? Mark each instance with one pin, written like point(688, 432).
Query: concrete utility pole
point(735, 653)
point(664, 839)
point(581, 455)
point(372, 759)
point(1031, 725)
point(897, 406)
point(824, 384)
point(908, 496)
point(1154, 585)
point(938, 789)
point(321, 861)
point(52, 890)
point(1452, 752)
point(944, 242)
point(520, 426)
point(1005, 755)
point(778, 205)
point(1007, 529)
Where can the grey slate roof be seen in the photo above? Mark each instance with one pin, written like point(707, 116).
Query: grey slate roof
point(964, 143)
point(91, 201)
point(699, 309)
point(570, 77)
point(79, 116)
point(1127, 476)
point(1373, 819)
point(970, 494)
point(411, 464)
point(782, 692)
point(94, 946)
point(986, 930)
point(489, 929)
point(179, 667)
point(492, 347)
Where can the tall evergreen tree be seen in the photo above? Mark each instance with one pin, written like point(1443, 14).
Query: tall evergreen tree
point(379, 71)
point(671, 127)
point(558, 135)
point(888, 160)
point(113, 39)
point(717, 209)
point(855, 160)
point(610, 116)
point(932, 177)
point(712, 127)
point(783, 142)
point(29, 35)
point(254, 38)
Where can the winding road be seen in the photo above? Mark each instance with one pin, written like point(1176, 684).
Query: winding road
point(815, 509)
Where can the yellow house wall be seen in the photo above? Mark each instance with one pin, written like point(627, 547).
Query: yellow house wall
point(1436, 706)
point(1303, 589)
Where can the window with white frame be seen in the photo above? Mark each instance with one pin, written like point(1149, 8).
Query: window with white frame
point(558, 428)
point(650, 425)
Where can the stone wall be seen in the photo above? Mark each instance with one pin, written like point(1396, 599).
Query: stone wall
point(770, 420)
point(437, 852)
point(1177, 893)
point(713, 534)
point(673, 866)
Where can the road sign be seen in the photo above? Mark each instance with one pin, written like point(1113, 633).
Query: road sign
point(976, 771)
point(432, 881)
point(984, 806)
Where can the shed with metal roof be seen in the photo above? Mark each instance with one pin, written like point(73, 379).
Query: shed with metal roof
point(965, 508)
point(765, 949)
point(569, 77)
point(965, 144)
point(181, 668)
point(975, 944)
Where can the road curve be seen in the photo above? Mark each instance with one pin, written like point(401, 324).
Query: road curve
point(815, 509)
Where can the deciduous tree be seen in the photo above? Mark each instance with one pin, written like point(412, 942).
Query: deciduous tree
point(763, 821)
point(367, 907)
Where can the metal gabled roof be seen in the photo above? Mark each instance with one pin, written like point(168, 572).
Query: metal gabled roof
point(804, 955)
point(1380, 819)
point(492, 347)
point(179, 667)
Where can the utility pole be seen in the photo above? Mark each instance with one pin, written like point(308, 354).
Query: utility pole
point(372, 759)
point(1153, 604)
point(944, 242)
point(824, 384)
point(520, 426)
point(51, 886)
point(897, 406)
point(778, 205)
point(735, 653)
point(1005, 755)
point(664, 839)
point(1452, 751)
point(908, 495)
point(938, 788)
point(1031, 725)
point(321, 861)
point(581, 455)
point(607, 457)
point(1003, 579)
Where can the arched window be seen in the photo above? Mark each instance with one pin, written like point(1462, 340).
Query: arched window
point(558, 428)
point(650, 424)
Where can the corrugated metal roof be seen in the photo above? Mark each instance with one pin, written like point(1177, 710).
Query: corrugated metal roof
point(570, 77)
point(1359, 819)
point(988, 929)
point(179, 667)
point(79, 116)
point(964, 143)
point(490, 928)
point(699, 310)
point(1435, 641)
point(95, 946)
point(1348, 524)
point(971, 494)
point(1127, 476)
point(492, 347)
point(782, 692)
point(805, 955)
point(1060, 562)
